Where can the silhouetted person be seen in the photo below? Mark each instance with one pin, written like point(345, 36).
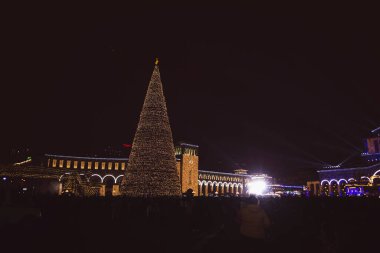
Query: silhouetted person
point(253, 224)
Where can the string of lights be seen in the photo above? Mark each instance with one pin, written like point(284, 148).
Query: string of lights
point(151, 170)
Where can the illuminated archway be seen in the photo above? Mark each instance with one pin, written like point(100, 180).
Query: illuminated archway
point(324, 181)
point(375, 180)
point(204, 188)
point(334, 187)
point(365, 179)
point(342, 180)
point(215, 187)
point(210, 187)
point(325, 187)
point(229, 186)
point(221, 188)
point(240, 188)
point(120, 176)
point(97, 176)
point(342, 183)
point(199, 188)
point(108, 182)
point(234, 189)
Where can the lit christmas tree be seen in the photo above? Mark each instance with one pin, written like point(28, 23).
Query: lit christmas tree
point(151, 169)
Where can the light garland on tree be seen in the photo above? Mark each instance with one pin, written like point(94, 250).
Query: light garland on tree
point(151, 170)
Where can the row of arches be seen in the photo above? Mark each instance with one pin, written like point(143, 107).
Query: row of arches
point(208, 188)
point(109, 184)
point(363, 179)
point(335, 187)
point(116, 180)
point(96, 178)
point(219, 178)
point(205, 188)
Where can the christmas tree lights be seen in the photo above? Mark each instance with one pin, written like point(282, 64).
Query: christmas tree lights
point(151, 170)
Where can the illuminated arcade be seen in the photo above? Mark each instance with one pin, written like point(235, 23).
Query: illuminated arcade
point(354, 180)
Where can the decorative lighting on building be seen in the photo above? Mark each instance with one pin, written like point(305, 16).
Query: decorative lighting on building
point(332, 166)
point(28, 160)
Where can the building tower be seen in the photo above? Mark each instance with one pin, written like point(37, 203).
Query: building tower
point(151, 169)
point(187, 167)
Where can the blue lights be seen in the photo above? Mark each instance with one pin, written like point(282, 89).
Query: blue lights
point(355, 191)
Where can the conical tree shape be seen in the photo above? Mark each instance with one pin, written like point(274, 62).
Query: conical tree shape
point(151, 169)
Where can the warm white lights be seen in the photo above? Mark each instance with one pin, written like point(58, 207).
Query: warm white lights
point(151, 169)
point(257, 187)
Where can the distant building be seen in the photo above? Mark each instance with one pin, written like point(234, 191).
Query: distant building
point(103, 175)
point(212, 183)
point(109, 171)
point(187, 167)
point(372, 147)
point(359, 178)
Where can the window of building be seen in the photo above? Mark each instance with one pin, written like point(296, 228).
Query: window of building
point(75, 164)
point(68, 164)
point(116, 166)
point(54, 163)
point(190, 177)
point(89, 165)
point(48, 162)
point(61, 163)
point(96, 165)
point(103, 165)
point(82, 164)
point(122, 166)
point(109, 165)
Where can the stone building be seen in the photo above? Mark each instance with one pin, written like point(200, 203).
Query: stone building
point(108, 173)
point(187, 167)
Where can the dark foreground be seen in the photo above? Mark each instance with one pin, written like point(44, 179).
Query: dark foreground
point(58, 224)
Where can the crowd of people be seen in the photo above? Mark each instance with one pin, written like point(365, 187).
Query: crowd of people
point(199, 224)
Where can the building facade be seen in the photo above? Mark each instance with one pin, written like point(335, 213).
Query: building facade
point(353, 180)
point(188, 167)
point(213, 183)
point(103, 176)
point(372, 147)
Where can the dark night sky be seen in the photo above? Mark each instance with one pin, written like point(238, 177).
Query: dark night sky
point(273, 89)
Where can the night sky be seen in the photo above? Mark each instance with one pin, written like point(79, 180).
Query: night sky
point(276, 89)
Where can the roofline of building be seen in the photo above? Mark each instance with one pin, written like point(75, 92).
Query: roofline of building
point(286, 186)
point(87, 158)
point(348, 169)
point(234, 174)
point(187, 144)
